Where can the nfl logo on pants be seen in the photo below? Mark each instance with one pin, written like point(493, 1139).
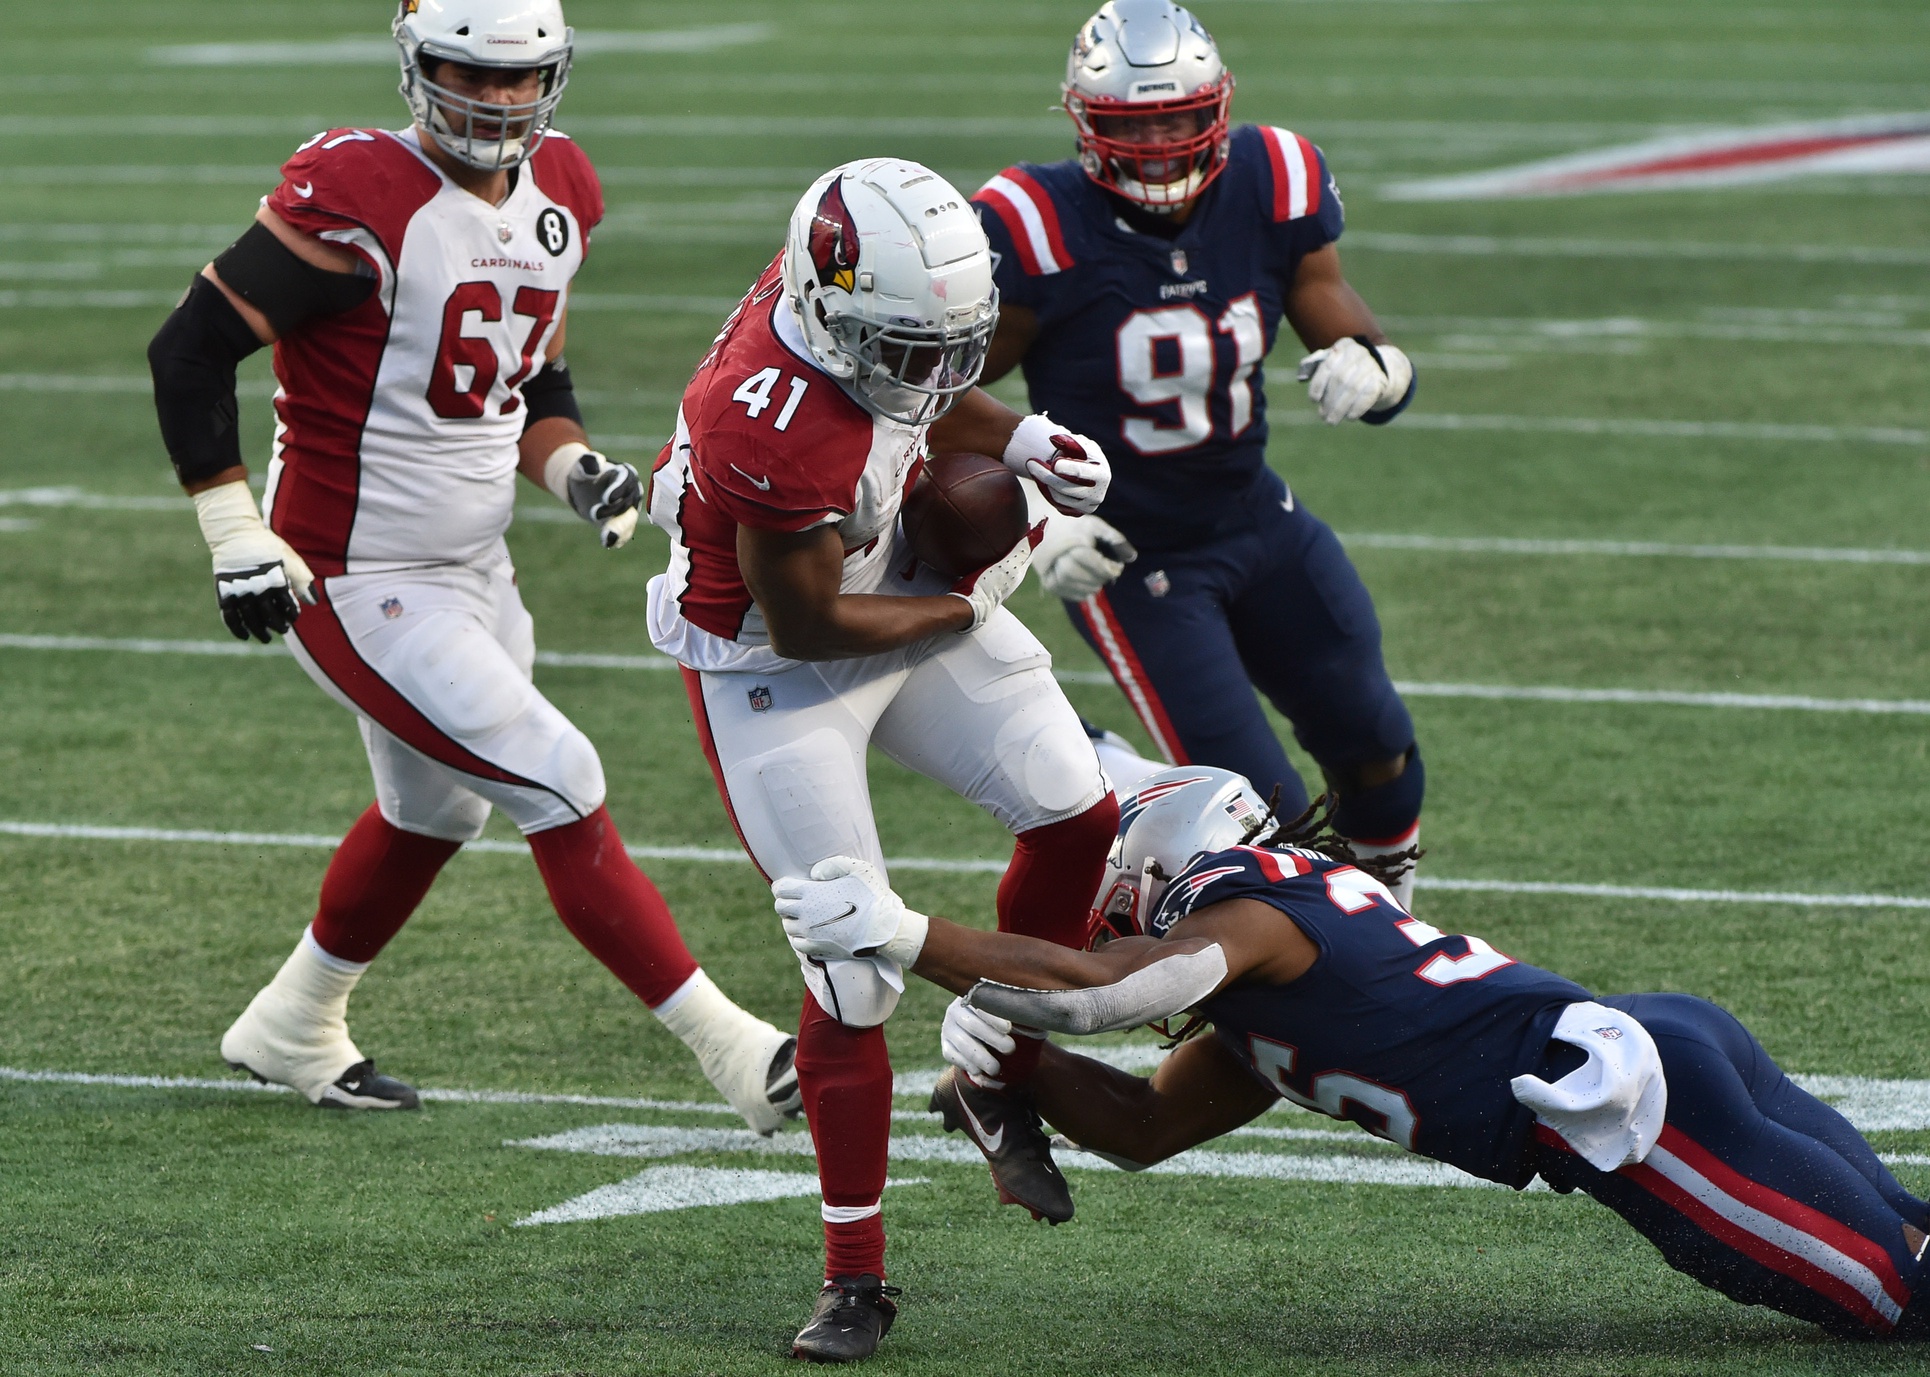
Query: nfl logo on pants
point(760, 698)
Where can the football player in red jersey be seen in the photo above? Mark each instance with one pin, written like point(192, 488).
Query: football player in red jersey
point(413, 285)
point(808, 632)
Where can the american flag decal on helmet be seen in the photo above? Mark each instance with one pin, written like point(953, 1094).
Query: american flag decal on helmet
point(834, 240)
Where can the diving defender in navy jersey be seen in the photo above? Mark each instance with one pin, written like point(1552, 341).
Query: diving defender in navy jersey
point(1320, 988)
point(1141, 286)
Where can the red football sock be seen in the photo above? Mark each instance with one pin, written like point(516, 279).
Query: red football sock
point(375, 880)
point(611, 907)
point(1048, 892)
point(845, 1074)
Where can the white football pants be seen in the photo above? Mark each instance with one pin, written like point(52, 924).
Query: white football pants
point(980, 714)
point(436, 662)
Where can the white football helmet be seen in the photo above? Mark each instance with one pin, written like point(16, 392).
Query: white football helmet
point(890, 275)
point(483, 33)
point(1168, 819)
point(1149, 59)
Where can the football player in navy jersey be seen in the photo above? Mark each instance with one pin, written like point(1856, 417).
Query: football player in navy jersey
point(1321, 989)
point(1142, 285)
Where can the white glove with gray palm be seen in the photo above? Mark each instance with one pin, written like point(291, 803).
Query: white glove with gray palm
point(846, 911)
point(974, 1040)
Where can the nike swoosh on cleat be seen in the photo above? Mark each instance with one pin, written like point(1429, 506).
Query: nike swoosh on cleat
point(989, 1141)
point(306, 190)
point(761, 484)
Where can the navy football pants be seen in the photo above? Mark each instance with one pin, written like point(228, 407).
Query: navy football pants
point(1189, 634)
point(1756, 1187)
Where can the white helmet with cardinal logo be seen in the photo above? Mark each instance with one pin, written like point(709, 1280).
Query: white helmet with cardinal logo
point(890, 275)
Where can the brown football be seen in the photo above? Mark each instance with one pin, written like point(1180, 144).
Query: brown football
point(964, 512)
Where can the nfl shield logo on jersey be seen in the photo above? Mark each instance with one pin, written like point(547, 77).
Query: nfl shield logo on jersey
point(1179, 262)
point(761, 698)
point(391, 608)
point(1158, 584)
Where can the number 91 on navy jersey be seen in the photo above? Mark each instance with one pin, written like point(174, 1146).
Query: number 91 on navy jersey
point(1154, 346)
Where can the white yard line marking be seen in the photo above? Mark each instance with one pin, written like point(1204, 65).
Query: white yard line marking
point(1497, 246)
point(361, 51)
point(1880, 330)
point(1532, 693)
point(20, 232)
point(484, 846)
point(85, 301)
point(1643, 427)
point(51, 831)
point(1671, 894)
point(676, 1188)
point(647, 1141)
point(1872, 1104)
point(557, 515)
point(264, 175)
point(1669, 697)
point(1502, 545)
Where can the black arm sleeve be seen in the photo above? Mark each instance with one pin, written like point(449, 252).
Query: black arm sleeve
point(193, 357)
point(550, 393)
point(289, 290)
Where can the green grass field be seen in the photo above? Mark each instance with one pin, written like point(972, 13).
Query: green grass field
point(203, 1231)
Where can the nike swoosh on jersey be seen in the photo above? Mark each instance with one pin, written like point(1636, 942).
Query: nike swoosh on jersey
point(306, 190)
point(989, 1141)
point(761, 484)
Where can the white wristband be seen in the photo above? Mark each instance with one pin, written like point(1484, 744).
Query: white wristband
point(226, 511)
point(906, 944)
point(1032, 440)
point(556, 468)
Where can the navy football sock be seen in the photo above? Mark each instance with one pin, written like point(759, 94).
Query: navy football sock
point(1386, 812)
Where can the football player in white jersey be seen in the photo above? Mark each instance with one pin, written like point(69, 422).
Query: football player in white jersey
point(808, 632)
point(413, 285)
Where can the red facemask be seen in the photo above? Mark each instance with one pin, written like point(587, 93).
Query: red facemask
point(1158, 175)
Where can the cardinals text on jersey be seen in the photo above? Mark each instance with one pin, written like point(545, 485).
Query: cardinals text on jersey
point(766, 439)
point(397, 422)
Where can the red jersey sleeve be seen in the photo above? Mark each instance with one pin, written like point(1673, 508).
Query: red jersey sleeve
point(757, 484)
point(563, 172)
point(354, 178)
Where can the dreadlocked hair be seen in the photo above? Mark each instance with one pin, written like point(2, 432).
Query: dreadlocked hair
point(1313, 830)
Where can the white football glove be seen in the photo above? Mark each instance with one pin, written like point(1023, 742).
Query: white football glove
point(974, 1040)
point(846, 911)
point(259, 580)
point(987, 589)
point(597, 490)
point(1079, 555)
point(1070, 470)
point(1346, 380)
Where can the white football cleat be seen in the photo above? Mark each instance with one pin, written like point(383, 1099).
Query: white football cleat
point(751, 1063)
point(294, 1032)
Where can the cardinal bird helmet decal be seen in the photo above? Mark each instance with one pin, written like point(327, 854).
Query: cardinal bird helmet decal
point(834, 240)
point(888, 275)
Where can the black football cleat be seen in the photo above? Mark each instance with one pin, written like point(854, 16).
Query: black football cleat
point(851, 1316)
point(1007, 1130)
point(363, 1087)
